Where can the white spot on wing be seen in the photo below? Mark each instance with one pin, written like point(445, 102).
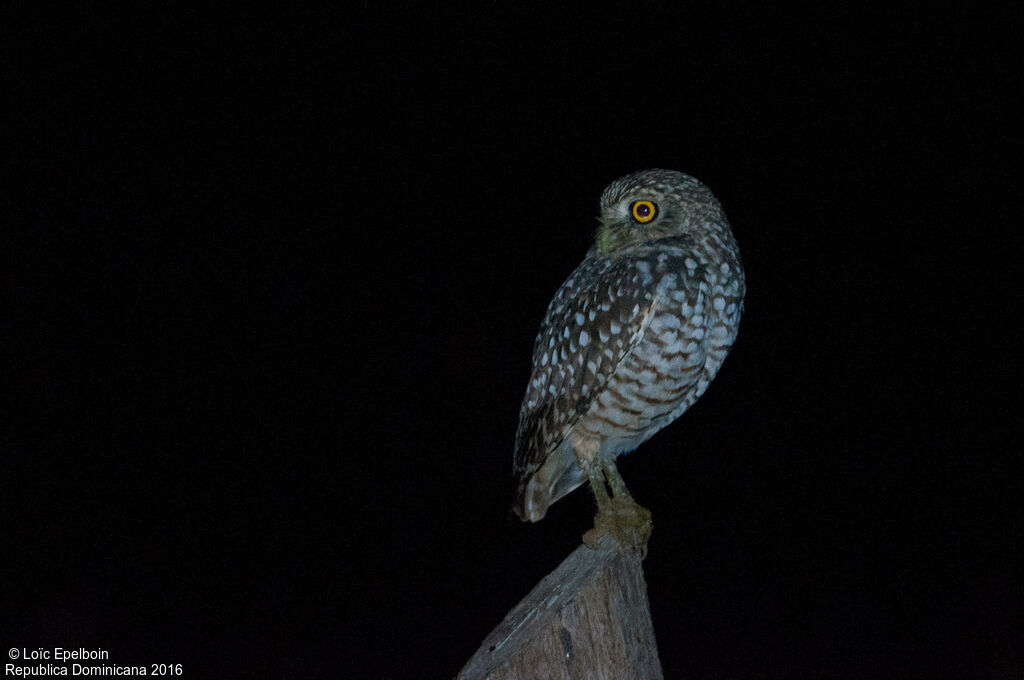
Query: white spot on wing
point(645, 271)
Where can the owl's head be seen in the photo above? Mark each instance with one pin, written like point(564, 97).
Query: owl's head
point(652, 204)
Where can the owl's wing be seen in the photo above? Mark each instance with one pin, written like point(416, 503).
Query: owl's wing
point(595, 319)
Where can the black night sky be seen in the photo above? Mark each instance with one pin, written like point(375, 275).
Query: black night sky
point(271, 283)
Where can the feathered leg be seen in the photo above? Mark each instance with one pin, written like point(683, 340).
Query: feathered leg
point(618, 514)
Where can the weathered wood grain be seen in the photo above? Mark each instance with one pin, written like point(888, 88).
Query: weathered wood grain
point(589, 618)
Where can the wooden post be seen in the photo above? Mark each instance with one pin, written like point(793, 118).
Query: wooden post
point(589, 618)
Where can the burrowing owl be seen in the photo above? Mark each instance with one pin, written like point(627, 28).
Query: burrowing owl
point(631, 339)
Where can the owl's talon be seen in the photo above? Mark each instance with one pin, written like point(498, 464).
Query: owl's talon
point(627, 523)
point(593, 536)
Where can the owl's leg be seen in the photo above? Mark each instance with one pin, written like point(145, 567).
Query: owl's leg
point(632, 519)
point(615, 481)
point(619, 515)
point(602, 521)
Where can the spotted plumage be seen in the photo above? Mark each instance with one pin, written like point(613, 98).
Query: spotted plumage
point(631, 339)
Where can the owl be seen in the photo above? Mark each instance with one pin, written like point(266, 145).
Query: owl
point(630, 341)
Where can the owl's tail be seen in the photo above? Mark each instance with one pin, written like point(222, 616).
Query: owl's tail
point(560, 474)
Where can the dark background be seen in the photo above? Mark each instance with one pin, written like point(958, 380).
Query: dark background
point(272, 280)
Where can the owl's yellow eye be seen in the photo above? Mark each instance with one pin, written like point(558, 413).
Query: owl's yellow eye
point(644, 211)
